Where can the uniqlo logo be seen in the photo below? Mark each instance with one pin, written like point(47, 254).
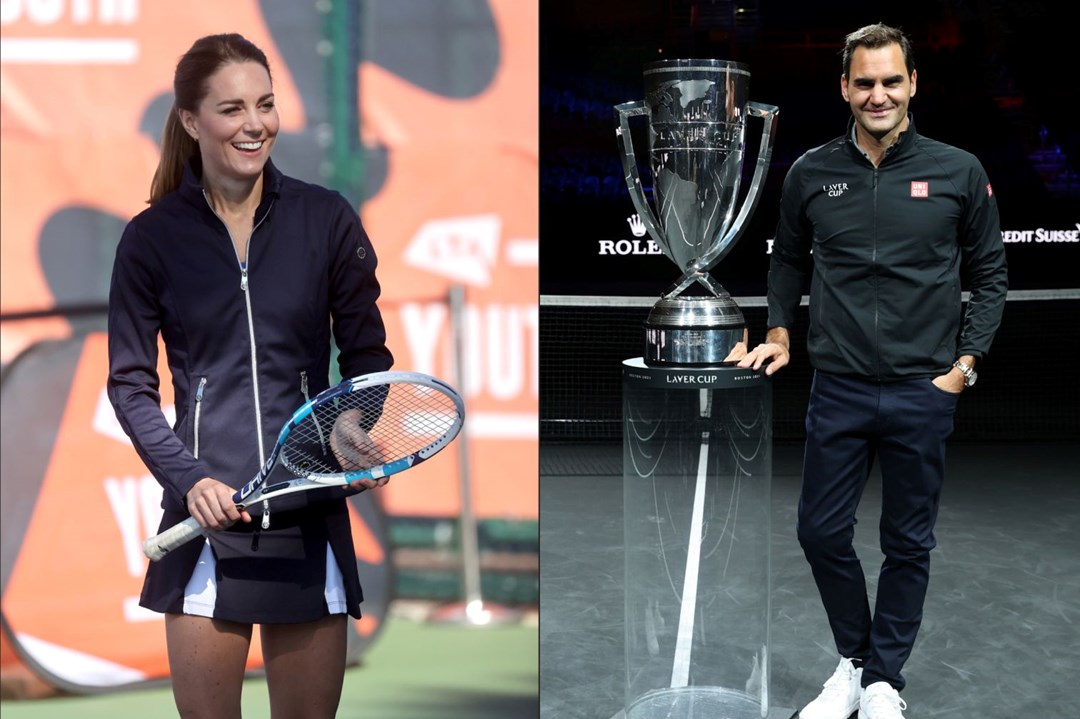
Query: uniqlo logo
point(920, 189)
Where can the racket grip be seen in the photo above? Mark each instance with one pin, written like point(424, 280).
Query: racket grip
point(158, 546)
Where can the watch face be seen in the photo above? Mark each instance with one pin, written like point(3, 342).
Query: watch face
point(969, 373)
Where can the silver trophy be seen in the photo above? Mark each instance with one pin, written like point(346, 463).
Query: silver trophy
point(697, 112)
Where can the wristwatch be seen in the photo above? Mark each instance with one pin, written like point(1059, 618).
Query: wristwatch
point(970, 375)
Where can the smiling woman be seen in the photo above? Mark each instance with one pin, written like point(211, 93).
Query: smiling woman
point(242, 272)
point(235, 126)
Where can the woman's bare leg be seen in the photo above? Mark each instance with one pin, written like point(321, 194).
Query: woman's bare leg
point(305, 667)
point(207, 658)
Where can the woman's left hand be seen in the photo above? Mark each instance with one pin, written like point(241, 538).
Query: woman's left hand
point(354, 449)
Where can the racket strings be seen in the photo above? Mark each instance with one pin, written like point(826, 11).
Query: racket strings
point(369, 427)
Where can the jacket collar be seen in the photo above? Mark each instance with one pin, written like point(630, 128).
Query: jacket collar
point(192, 188)
point(902, 144)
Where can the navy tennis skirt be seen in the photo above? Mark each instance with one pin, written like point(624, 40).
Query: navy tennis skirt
point(277, 575)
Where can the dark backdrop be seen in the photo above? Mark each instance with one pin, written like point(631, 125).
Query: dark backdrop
point(994, 78)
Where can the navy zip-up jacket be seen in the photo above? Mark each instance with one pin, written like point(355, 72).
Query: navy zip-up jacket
point(886, 248)
point(246, 345)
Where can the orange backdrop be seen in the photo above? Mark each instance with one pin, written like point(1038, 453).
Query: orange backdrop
point(456, 205)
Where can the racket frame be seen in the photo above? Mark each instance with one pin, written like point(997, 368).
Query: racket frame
point(257, 490)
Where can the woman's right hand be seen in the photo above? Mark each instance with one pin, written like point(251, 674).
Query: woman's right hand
point(210, 502)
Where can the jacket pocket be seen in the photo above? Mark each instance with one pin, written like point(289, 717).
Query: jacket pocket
point(197, 415)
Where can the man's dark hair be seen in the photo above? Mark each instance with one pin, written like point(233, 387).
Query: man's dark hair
point(874, 36)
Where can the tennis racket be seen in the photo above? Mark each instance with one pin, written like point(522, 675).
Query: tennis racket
point(367, 427)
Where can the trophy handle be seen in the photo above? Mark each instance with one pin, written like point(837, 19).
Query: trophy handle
point(698, 271)
point(624, 112)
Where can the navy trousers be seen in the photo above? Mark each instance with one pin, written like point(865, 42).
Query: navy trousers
point(850, 424)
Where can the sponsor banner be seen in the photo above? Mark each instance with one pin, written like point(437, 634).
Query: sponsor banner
point(480, 242)
point(1041, 235)
point(642, 245)
point(1040, 258)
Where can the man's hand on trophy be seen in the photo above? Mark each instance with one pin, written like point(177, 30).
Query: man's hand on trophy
point(354, 449)
point(739, 350)
point(774, 351)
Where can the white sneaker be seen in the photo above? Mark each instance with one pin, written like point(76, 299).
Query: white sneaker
point(840, 697)
point(881, 701)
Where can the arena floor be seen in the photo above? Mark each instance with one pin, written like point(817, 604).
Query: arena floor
point(1001, 633)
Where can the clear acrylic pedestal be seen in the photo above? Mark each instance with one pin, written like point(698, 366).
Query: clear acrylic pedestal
point(697, 468)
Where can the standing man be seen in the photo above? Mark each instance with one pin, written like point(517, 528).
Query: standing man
point(894, 220)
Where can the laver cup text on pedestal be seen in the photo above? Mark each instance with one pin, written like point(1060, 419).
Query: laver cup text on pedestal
point(696, 112)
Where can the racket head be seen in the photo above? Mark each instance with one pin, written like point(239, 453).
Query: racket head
point(371, 426)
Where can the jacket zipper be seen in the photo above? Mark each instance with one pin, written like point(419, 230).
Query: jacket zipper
point(198, 413)
point(254, 362)
point(251, 336)
point(877, 295)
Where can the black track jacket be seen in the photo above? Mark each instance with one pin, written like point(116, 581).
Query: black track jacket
point(889, 247)
point(245, 345)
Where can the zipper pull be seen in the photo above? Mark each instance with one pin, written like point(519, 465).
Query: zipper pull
point(243, 280)
point(266, 514)
point(199, 391)
point(303, 384)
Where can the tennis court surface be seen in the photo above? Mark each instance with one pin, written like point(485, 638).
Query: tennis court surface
point(414, 670)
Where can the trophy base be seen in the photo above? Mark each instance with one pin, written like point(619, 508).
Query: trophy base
point(693, 331)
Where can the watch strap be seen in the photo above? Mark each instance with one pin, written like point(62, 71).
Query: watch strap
point(968, 371)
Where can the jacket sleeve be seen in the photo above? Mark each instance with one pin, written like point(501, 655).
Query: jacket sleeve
point(134, 322)
point(354, 289)
point(983, 265)
point(789, 262)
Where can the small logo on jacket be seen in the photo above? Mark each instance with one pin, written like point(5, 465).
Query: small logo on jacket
point(835, 190)
point(920, 189)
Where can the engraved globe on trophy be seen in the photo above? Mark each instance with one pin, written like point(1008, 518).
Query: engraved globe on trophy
point(696, 112)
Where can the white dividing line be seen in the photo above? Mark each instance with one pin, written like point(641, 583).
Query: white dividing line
point(68, 51)
point(680, 672)
point(523, 252)
point(502, 425)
